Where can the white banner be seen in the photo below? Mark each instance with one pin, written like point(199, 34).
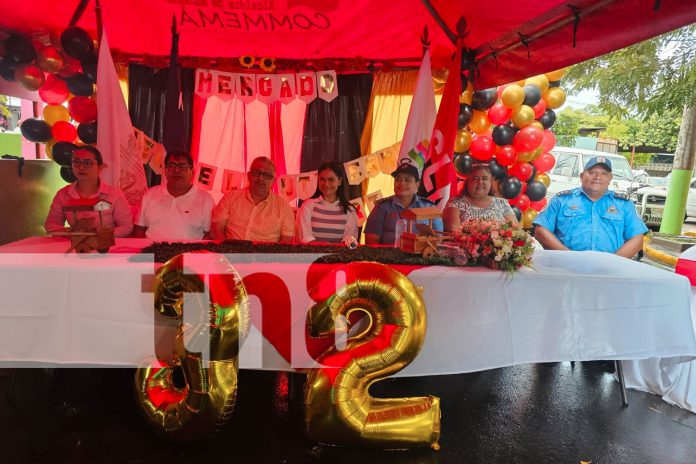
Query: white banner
point(267, 88)
point(306, 184)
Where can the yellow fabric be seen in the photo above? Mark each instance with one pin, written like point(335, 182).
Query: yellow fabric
point(390, 101)
point(122, 73)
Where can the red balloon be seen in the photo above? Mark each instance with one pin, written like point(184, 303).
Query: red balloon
point(548, 142)
point(499, 114)
point(538, 205)
point(544, 162)
point(539, 109)
point(71, 66)
point(482, 147)
point(506, 155)
point(441, 56)
point(63, 131)
point(54, 91)
point(523, 171)
point(528, 139)
point(82, 109)
point(521, 201)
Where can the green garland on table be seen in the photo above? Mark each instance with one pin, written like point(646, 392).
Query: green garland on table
point(164, 251)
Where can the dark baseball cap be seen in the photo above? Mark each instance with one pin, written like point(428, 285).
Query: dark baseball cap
point(606, 162)
point(407, 168)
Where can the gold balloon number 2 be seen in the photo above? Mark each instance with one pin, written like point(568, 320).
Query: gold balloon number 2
point(391, 322)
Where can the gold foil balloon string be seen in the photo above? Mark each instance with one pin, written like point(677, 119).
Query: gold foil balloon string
point(202, 401)
point(338, 407)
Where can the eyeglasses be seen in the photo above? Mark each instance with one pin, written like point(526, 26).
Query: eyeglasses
point(266, 175)
point(86, 163)
point(179, 166)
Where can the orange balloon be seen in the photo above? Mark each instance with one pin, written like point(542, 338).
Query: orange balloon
point(439, 78)
point(543, 178)
point(555, 97)
point(522, 116)
point(512, 96)
point(462, 142)
point(528, 217)
point(479, 122)
point(526, 156)
point(30, 76)
point(557, 74)
point(55, 113)
point(467, 95)
point(538, 125)
point(49, 148)
point(537, 153)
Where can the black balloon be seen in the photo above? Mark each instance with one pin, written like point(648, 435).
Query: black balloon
point(468, 60)
point(484, 99)
point(76, 42)
point(503, 135)
point(548, 119)
point(465, 114)
point(89, 67)
point(518, 212)
point(510, 187)
point(62, 153)
point(497, 171)
point(463, 163)
point(555, 84)
point(535, 190)
point(19, 49)
point(7, 69)
point(80, 85)
point(36, 130)
point(532, 95)
point(534, 173)
point(67, 174)
point(87, 131)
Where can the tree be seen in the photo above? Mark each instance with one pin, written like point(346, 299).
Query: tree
point(658, 130)
point(649, 77)
point(5, 113)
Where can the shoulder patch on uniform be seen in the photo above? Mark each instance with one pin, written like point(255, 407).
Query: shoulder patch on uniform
point(564, 192)
point(621, 196)
point(382, 200)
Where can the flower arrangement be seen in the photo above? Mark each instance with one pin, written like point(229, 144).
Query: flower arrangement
point(498, 245)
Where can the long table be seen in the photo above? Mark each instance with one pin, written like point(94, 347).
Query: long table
point(571, 306)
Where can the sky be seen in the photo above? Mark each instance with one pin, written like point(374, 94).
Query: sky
point(582, 99)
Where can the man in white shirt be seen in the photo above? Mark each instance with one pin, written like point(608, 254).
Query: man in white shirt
point(178, 210)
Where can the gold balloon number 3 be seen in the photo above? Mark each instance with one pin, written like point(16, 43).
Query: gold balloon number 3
point(338, 407)
point(206, 351)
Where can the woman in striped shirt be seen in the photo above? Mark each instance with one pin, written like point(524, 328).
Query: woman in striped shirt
point(328, 216)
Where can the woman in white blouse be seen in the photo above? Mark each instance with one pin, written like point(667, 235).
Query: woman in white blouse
point(328, 216)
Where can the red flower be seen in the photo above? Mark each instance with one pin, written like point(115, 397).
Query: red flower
point(518, 243)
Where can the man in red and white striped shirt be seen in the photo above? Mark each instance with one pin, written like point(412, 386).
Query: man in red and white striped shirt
point(255, 213)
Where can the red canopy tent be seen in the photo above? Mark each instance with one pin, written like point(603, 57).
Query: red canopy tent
point(510, 39)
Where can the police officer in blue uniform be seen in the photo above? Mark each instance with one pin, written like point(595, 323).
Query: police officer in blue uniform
point(591, 217)
point(382, 222)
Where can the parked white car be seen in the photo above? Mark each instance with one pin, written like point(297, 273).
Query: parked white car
point(650, 202)
point(570, 162)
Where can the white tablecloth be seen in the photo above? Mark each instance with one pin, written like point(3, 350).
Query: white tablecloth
point(671, 378)
point(572, 306)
